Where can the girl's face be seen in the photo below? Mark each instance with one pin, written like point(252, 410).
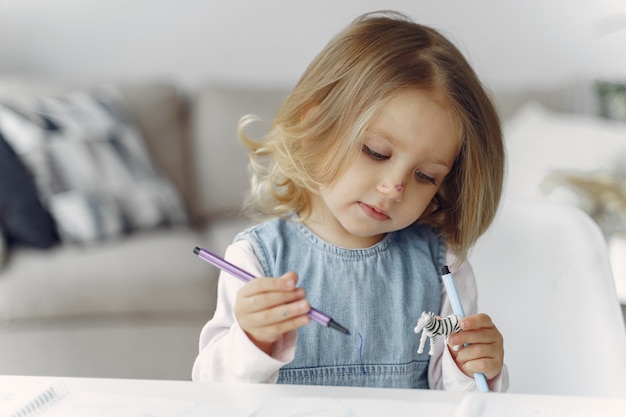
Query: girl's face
point(407, 152)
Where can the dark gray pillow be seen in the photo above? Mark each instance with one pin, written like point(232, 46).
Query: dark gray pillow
point(91, 167)
point(23, 217)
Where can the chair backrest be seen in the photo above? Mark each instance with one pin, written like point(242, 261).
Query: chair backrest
point(544, 276)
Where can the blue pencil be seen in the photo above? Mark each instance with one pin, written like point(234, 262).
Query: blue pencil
point(457, 308)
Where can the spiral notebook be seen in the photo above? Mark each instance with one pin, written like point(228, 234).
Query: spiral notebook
point(56, 400)
point(25, 400)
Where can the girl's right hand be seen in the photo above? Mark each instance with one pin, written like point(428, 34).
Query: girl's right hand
point(266, 308)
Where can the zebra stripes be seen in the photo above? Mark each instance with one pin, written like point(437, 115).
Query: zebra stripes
point(432, 326)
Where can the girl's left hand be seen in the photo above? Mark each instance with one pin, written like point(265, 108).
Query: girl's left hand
point(485, 350)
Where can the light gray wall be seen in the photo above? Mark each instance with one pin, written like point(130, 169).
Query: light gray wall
point(510, 43)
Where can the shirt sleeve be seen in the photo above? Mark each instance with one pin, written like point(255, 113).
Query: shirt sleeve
point(226, 354)
point(443, 373)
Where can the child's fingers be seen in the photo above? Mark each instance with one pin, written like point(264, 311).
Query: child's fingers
point(478, 328)
point(269, 325)
point(489, 335)
point(278, 314)
point(267, 307)
point(475, 351)
point(476, 321)
point(262, 293)
point(480, 358)
point(264, 301)
point(491, 367)
point(481, 346)
point(273, 332)
point(264, 284)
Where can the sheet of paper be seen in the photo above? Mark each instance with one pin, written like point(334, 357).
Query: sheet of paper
point(351, 407)
point(494, 405)
point(89, 404)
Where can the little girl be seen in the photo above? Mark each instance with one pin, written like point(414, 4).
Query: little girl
point(384, 164)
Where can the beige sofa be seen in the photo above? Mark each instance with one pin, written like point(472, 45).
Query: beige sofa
point(133, 307)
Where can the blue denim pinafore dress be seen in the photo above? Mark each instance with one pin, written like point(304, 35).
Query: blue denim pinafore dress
point(378, 293)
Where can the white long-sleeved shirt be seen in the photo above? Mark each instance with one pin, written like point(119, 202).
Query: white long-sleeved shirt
point(228, 355)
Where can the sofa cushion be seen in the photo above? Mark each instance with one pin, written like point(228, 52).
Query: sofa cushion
point(145, 274)
point(161, 111)
point(23, 218)
point(158, 108)
point(220, 159)
point(91, 167)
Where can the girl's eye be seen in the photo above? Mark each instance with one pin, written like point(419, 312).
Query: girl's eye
point(424, 178)
point(373, 154)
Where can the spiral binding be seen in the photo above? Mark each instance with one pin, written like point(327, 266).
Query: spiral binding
point(42, 401)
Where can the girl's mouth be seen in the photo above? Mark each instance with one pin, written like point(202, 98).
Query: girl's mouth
point(373, 213)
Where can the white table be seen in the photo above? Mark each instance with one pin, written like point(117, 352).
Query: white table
point(246, 398)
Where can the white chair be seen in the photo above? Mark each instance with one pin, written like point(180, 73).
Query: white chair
point(544, 277)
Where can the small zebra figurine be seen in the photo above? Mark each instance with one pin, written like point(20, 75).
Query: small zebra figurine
point(433, 326)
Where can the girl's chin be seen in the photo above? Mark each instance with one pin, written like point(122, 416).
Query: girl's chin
point(359, 239)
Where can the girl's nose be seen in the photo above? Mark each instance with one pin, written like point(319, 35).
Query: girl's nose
point(395, 191)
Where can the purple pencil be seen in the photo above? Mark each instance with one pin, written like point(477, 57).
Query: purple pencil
point(315, 314)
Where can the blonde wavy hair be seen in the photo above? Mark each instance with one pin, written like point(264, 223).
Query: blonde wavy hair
point(319, 127)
